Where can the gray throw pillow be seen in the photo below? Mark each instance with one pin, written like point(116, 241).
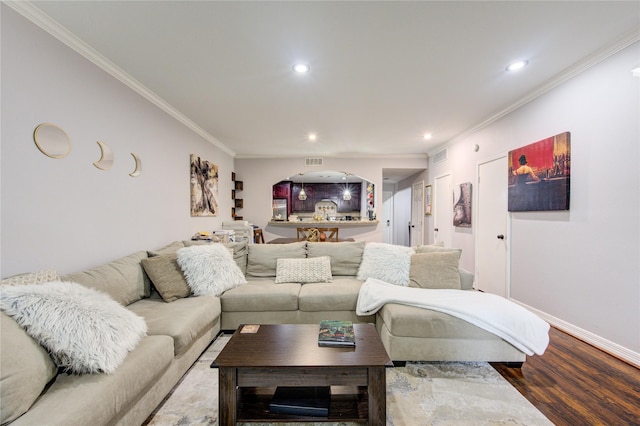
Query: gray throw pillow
point(167, 277)
point(435, 270)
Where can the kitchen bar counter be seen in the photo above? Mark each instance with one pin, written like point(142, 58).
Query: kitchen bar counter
point(323, 223)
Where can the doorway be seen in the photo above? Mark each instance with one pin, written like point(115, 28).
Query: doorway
point(492, 241)
point(387, 217)
point(416, 235)
point(443, 212)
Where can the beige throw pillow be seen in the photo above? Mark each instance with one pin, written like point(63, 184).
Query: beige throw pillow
point(435, 270)
point(26, 369)
point(38, 277)
point(433, 248)
point(309, 270)
point(167, 277)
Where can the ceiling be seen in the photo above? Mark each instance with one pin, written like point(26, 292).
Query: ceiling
point(382, 73)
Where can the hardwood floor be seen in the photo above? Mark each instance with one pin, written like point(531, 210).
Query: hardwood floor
point(574, 383)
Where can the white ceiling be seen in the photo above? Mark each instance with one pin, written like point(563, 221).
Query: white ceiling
point(382, 73)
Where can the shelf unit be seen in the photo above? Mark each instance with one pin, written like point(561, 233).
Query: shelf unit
point(351, 404)
point(237, 201)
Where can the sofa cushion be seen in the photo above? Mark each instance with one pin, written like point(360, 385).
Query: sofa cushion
point(386, 262)
point(38, 277)
point(184, 320)
point(166, 276)
point(168, 249)
point(435, 270)
point(261, 295)
point(309, 270)
point(25, 369)
point(123, 279)
point(339, 295)
point(345, 256)
point(98, 399)
point(209, 269)
point(261, 261)
point(84, 330)
point(410, 321)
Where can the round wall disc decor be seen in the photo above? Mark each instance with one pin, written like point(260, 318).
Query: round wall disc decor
point(52, 141)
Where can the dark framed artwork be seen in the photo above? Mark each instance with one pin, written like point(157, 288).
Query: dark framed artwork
point(540, 175)
point(462, 207)
point(204, 187)
point(427, 200)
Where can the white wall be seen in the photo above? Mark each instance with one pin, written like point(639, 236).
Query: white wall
point(260, 174)
point(66, 213)
point(579, 268)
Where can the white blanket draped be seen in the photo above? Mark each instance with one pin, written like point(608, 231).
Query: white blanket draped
point(504, 318)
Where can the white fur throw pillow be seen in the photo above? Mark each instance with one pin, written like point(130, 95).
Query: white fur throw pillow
point(386, 262)
point(308, 270)
point(84, 330)
point(209, 269)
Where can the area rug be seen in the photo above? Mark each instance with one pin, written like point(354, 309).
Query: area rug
point(442, 393)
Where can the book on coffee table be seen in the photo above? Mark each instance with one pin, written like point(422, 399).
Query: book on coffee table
point(301, 401)
point(336, 333)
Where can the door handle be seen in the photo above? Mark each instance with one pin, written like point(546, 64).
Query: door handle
point(436, 229)
point(501, 237)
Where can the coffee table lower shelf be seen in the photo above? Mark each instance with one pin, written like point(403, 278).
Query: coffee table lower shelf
point(348, 404)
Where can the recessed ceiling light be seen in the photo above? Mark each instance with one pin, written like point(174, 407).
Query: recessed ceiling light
point(313, 137)
point(301, 68)
point(518, 65)
point(427, 136)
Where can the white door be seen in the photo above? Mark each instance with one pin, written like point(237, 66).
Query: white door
point(443, 210)
point(387, 217)
point(417, 213)
point(402, 216)
point(492, 243)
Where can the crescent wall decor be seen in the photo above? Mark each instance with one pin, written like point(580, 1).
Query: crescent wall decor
point(106, 157)
point(51, 140)
point(136, 172)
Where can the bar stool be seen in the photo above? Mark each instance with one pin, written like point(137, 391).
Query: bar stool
point(258, 236)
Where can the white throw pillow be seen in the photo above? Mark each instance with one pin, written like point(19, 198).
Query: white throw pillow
point(84, 330)
point(209, 269)
point(309, 270)
point(386, 262)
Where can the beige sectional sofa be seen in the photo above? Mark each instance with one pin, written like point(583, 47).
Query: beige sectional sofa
point(180, 330)
point(177, 334)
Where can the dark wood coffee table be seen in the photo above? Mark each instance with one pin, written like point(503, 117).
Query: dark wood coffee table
point(252, 365)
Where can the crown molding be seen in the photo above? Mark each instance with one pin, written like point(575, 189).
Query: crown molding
point(42, 20)
point(352, 155)
point(593, 59)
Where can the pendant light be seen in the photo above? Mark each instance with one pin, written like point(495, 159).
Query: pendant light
point(346, 195)
point(302, 195)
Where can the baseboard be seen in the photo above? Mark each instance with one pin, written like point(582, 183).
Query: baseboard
point(599, 342)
